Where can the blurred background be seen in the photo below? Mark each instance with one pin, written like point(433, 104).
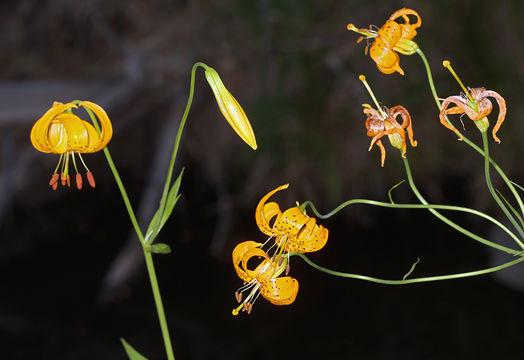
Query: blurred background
point(73, 280)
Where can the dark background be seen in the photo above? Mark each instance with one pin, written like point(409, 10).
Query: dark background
point(294, 67)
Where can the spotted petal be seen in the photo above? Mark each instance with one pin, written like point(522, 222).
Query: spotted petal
point(280, 291)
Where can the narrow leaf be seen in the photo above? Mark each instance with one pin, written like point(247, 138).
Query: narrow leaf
point(517, 185)
point(172, 199)
point(393, 188)
point(132, 353)
point(151, 231)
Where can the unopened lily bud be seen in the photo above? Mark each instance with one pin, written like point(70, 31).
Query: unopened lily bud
point(231, 109)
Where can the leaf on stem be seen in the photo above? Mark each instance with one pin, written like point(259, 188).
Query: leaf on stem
point(132, 353)
point(159, 248)
point(156, 224)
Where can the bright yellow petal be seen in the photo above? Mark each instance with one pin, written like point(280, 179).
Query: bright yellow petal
point(230, 108)
point(291, 222)
point(264, 270)
point(265, 212)
point(312, 237)
point(77, 136)
point(238, 254)
point(40, 130)
point(106, 129)
point(280, 291)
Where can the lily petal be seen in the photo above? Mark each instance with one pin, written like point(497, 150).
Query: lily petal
point(280, 291)
point(265, 212)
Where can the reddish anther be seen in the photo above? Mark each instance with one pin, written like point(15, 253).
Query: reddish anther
point(238, 296)
point(54, 180)
point(78, 181)
point(63, 179)
point(90, 179)
point(68, 180)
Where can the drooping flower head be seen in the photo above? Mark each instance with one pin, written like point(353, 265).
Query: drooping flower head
point(264, 279)
point(230, 108)
point(475, 104)
point(383, 121)
point(391, 38)
point(59, 131)
point(293, 230)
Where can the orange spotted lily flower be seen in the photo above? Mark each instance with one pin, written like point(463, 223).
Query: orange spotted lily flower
point(264, 279)
point(391, 38)
point(293, 230)
point(230, 108)
point(475, 104)
point(59, 131)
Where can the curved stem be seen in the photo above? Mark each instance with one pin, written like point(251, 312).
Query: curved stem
point(492, 190)
point(177, 142)
point(442, 217)
point(508, 182)
point(409, 281)
point(427, 206)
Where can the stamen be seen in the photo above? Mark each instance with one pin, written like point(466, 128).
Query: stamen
point(63, 179)
point(78, 181)
point(54, 181)
point(90, 179)
point(447, 65)
point(366, 85)
point(287, 269)
point(238, 296)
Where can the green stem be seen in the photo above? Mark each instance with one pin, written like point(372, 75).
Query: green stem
point(409, 281)
point(492, 190)
point(167, 184)
point(147, 255)
point(508, 182)
point(428, 206)
point(442, 217)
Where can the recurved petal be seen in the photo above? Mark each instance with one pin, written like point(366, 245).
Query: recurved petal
point(106, 129)
point(387, 60)
point(312, 237)
point(265, 269)
point(291, 222)
point(280, 291)
point(39, 132)
point(238, 254)
point(230, 108)
point(265, 212)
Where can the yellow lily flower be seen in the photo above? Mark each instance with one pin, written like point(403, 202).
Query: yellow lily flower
point(294, 231)
point(230, 108)
point(264, 279)
point(391, 38)
point(59, 131)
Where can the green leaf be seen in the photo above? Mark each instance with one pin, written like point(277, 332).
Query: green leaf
point(159, 248)
point(393, 188)
point(156, 224)
point(132, 353)
point(515, 212)
point(172, 198)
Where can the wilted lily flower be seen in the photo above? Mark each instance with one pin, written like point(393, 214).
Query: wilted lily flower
point(475, 104)
point(293, 230)
point(383, 121)
point(59, 131)
point(230, 108)
point(264, 279)
point(391, 38)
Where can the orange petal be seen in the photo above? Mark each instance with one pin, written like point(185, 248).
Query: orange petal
point(106, 129)
point(238, 254)
point(280, 291)
point(265, 212)
point(291, 222)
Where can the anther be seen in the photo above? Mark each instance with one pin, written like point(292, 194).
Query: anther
point(78, 181)
point(238, 296)
point(90, 179)
point(287, 269)
point(63, 179)
point(54, 180)
point(68, 180)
